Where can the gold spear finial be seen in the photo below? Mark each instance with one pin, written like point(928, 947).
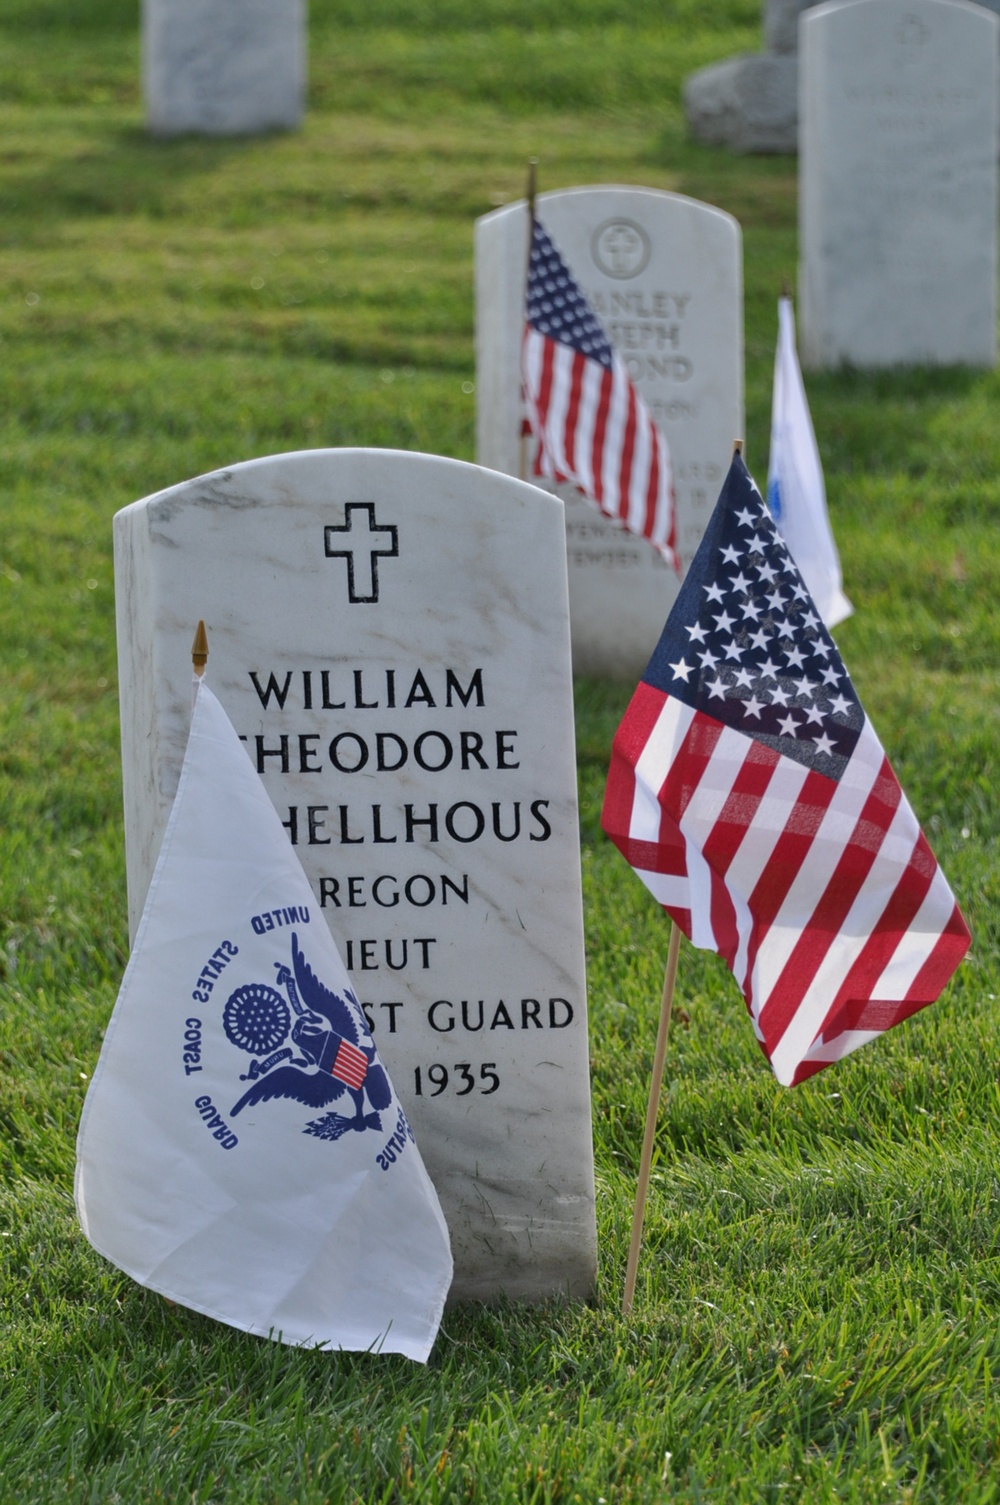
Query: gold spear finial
point(199, 649)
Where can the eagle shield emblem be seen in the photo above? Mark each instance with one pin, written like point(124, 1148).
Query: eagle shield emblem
point(325, 1055)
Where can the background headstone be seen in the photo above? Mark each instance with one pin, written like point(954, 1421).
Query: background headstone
point(664, 274)
point(223, 67)
point(389, 634)
point(898, 183)
point(781, 27)
point(750, 103)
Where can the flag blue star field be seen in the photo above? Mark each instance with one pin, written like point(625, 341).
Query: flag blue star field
point(242, 1150)
point(750, 793)
point(592, 427)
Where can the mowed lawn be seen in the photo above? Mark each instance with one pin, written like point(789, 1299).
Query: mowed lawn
point(818, 1304)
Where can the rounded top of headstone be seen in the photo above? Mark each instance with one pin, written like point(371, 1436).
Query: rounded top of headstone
point(907, 12)
point(623, 206)
point(283, 477)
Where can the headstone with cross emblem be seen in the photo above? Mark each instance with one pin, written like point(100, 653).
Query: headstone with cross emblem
point(898, 183)
point(223, 67)
point(355, 543)
point(389, 635)
point(663, 273)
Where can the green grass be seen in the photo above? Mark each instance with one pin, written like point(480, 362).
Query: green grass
point(818, 1303)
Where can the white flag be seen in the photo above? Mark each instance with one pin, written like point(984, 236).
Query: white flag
point(796, 495)
point(242, 1150)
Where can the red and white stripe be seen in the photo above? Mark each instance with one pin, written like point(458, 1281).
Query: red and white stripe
point(822, 896)
point(595, 431)
point(350, 1065)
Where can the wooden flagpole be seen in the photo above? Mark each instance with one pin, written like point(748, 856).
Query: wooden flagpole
point(652, 1111)
point(532, 188)
point(653, 1106)
point(199, 658)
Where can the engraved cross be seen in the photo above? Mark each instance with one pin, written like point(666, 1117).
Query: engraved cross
point(362, 542)
point(622, 245)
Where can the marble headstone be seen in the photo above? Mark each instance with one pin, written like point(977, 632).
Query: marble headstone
point(747, 103)
point(223, 67)
point(389, 634)
point(750, 103)
point(664, 273)
point(898, 183)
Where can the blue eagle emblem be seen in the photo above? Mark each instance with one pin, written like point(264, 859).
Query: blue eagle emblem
point(328, 1054)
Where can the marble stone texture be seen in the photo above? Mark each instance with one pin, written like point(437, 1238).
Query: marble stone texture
point(748, 103)
point(781, 26)
point(751, 103)
point(898, 183)
point(223, 67)
point(389, 633)
point(664, 273)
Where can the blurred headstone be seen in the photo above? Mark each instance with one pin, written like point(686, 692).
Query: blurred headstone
point(223, 67)
point(898, 183)
point(750, 103)
point(747, 103)
point(664, 274)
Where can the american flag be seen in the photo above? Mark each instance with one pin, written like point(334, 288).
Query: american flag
point(752, 796)
point(592, 426)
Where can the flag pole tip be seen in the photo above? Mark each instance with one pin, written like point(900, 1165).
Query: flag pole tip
point(786, 291)
point(199, 649)
point(737, 446)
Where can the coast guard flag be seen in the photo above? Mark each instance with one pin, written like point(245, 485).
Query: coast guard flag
point(749, 791)
point(795, 491)
point(242, 1150)
point(592, 426)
